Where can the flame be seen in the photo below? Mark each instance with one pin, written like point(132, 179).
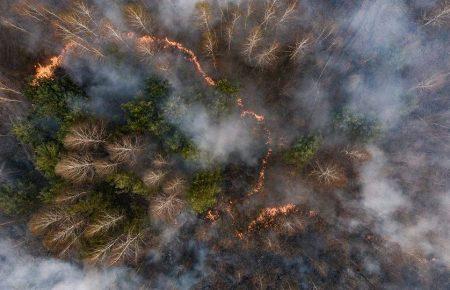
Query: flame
point(47, 71)
point(268, 214)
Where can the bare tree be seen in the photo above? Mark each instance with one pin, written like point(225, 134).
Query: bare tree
point(126, 150)
point(153, 178)
point(440, 16)
point(268, 56)
point(76, 168)
point(328, 174)
point(269, 12)
point(166, 206)
point(84, 136)
point(175, 186)
point(209, 39)
point(70, 196)
point(128, 247)
point(299, 49)
point(103, 223)
point(231, 27)
point(357, 154)
point(42, 221)
point(65, 235)
point(104, 168)
point(288, 13)
point(160, 161)
point(252, 41)
point(138, 17)
point(434, 82)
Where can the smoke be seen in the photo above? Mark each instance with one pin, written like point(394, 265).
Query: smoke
point(218, 139)
point(373, 57)
point(20, 270)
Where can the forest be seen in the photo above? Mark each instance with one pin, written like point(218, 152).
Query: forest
point(224, 144)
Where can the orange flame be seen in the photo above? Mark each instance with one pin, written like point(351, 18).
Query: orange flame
point(268, 214)
point(48, 72)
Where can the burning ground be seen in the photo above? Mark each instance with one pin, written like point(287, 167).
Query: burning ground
point(269, 144)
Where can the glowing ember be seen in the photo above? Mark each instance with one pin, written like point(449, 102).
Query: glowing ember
point(212, 216)
point(268, 214)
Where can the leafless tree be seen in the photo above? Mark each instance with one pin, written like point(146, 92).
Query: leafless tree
point(138, 17)
point(166, 206)
point(252, 41)
point(209, 39)
point(153, 178)
point(76, 168)
point(299, 49)
point(328, 174)
point(126, 150)
point(288, 13)
point(269, 12)
point(103, 223)
point(160, 161)
point(231, 27)
point(70, 195)
point(440, 16)
point(104, 168)
point(357, 154)
point(42, 221)
point(268, 56)
point(88, 135)
point(65, 235)
point(128, 247)
point(175, 186)
point(434, 82)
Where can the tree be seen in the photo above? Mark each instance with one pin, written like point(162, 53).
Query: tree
point(47, 159)
point(125, 150)
point(176, 185)
point(153, 178)
point(103, 223)
point(104, 168)
point(166, 206)
point(88, 135)
point(205, 187)
point(356, 127)
point(128, 182)
point(302, 151)
point(76, 168)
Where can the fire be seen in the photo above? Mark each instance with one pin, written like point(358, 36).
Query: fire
point(147, 44)
point(268, 215)
point(47, 71)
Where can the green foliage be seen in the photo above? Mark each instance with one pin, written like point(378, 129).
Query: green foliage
point(225, 87)
point(47, 158)
point(302, 151)
point(54, 97)
point(205, 187)
point(27, 133)
point(128, 182)
point(156, 89)
point(20, 199)
point(143, 116)
point(356, 127)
